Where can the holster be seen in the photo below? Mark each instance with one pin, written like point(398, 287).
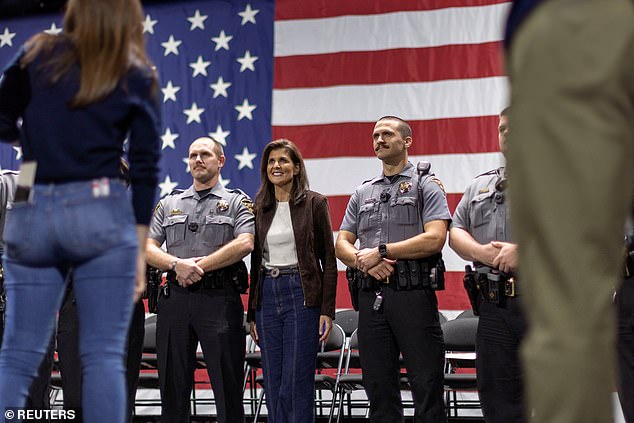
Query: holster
point(494, 285)
point(353, 287)
point(437, 273)
point(473, 291)
point(152, 288)
point(238, 275)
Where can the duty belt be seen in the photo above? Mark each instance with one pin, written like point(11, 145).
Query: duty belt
point(427, 273)
point(210, 280)
point(368, 283)
point(492, 289)
point(275, 272)
point(233, 276)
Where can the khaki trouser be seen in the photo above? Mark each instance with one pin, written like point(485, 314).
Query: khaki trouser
point(571, 154)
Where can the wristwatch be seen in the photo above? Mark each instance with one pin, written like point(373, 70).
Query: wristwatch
point(173, 266)
point(383, 250)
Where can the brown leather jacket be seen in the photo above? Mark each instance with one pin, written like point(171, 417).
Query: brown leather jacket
point(315, 252)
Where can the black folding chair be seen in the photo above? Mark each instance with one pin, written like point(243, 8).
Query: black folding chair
point(460, 338)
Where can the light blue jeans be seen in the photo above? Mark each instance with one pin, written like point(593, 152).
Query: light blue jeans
point(70, 226)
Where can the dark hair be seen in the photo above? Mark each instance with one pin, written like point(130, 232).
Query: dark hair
point(403, 127)
point(265, 197)
point(107, 40)
point(505, 111)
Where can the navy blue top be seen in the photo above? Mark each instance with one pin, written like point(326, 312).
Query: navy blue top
point(83, 143)
point(519, 11)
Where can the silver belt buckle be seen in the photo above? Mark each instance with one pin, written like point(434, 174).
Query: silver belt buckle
point(275, 272)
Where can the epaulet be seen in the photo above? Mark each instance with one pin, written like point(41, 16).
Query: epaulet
point(423, 168)
point(490, 172)
point(376, 178)
point(174, 192)
point(237, 191)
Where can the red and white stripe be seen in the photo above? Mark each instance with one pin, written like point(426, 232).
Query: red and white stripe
point(436, 63)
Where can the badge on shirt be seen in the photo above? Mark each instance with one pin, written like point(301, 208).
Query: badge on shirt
point(405, 187)
point(442, 187)
point(248, 204)
point(483, 191)
point(222, 206)
point(176, 211)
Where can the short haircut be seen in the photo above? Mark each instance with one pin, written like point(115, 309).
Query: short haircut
point(505, 111)
point(403, 127)
point(216, 146)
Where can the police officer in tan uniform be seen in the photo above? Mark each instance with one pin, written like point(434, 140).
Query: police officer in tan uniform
point(207, 230)
point(481, 232)
point(400, 219)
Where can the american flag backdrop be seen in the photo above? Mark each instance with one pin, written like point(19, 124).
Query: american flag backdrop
point(320, 72)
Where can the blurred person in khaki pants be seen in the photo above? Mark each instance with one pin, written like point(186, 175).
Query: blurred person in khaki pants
point(571, 65)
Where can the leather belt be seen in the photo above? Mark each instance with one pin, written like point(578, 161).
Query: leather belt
point(275, 272)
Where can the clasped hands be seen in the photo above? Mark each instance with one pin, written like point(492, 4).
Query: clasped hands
point(369, 261)
point(500, 255)
point(188, 272)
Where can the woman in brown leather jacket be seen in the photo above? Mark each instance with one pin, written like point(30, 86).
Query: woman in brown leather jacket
point(293, 281)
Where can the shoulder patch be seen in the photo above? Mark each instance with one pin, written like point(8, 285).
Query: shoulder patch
point(246, 202)
point(442, 187)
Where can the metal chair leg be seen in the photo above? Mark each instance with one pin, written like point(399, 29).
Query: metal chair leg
point(259, 408)
point(334, 401)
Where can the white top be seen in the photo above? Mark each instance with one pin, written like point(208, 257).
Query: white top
point(279, 246)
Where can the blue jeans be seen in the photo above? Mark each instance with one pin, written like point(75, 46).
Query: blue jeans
point(65, 227)
point(289, 341)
